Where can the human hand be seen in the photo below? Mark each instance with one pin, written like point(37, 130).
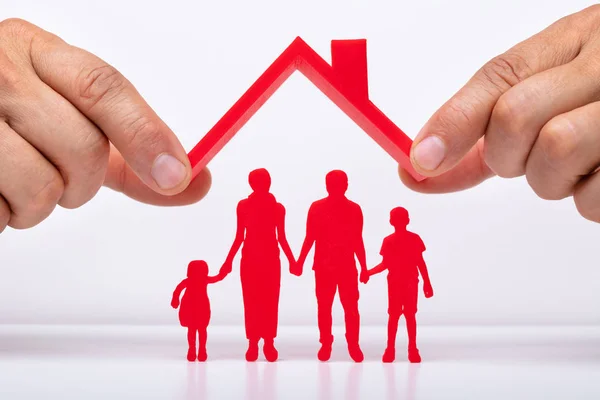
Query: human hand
point(364, 276)
point(70, 123)
point(427, 290)
point(531, 111)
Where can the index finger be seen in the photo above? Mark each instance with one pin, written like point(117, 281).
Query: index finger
point(110, 101)
point(446, 146)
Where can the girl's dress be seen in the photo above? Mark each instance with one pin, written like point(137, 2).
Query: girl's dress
point(194, 311)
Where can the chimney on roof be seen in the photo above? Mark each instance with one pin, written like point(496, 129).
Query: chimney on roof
point(349, 62)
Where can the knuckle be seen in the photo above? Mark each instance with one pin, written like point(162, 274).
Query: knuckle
point(506, 70)
point(46, 196)
point(11, 76)
point(142, 131)
point(100, 83)
point(558, 142)
point(15, 26)
point(509, 117)
point(84, 177)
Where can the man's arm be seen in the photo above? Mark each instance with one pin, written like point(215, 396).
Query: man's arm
point(308, 241)
point(359, 248)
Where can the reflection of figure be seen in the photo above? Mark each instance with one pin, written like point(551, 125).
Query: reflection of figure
point(261, 228)
point(403, 258)
point(194, 312)
point(335, 225)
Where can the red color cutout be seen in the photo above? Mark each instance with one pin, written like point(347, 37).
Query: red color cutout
point(402, 253)
point(334, 226)
point(194, 309)
point(344, 82)
point(261, 231)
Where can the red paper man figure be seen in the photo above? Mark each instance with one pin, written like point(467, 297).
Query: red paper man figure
point(402, 253)
point(335, 226)
point(194, 312)
point(261, 228)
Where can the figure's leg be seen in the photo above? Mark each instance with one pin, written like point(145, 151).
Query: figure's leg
point(251, 296)
point(270, 315)
point(191, 356)
point(325, 288)
point(202, 337)
point(390, 352)
point(411, 327)
point(394, 313)
point(410, 311)
point(348, 286)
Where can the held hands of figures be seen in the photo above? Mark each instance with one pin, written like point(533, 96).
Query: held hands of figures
point(296, 267)
point(364, 276)
point(226, 268)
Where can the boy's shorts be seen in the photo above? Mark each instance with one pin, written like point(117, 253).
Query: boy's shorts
point(402, 298)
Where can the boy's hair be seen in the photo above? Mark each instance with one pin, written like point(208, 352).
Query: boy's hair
point(399, 216)
point(197, 268)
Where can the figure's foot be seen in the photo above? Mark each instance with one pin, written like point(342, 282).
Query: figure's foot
point(324, 352)
point(389, 355)
point(355, 352)
point(414, 356)
point(270, 351)
point(191, 355)
point(202, 356)
point(252, 353)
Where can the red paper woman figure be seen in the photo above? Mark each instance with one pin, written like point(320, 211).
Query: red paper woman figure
point(261, 229)
point(194, 312)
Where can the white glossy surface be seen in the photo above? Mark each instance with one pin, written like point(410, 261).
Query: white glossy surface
point(89, 362)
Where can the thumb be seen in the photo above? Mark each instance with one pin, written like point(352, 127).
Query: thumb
point(121, 178)
point(448, 140)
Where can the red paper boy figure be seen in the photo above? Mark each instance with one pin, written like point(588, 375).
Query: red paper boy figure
point(403, 258)
point(194, 312)
point(261, 228)
point(334, 226)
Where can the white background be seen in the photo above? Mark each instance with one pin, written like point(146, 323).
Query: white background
point(496, 254)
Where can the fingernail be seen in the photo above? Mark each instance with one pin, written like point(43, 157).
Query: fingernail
point(168, 172)
point(430, 153)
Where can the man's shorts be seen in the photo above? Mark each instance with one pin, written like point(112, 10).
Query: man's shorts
point(402, 297)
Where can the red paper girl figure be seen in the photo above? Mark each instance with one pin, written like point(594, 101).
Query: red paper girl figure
point(194, 312)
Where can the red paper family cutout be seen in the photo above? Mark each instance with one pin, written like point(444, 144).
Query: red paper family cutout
point(334, 227)
point(334, 223)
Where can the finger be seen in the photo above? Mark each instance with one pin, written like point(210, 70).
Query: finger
point(29, 183)
point(121, 178)
point(521, 112)
point(567, 149)
point(455, 128)
point(4, 214)
point(109, 100)
point(75, 146)
point(587, 197)
point(469, 172)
